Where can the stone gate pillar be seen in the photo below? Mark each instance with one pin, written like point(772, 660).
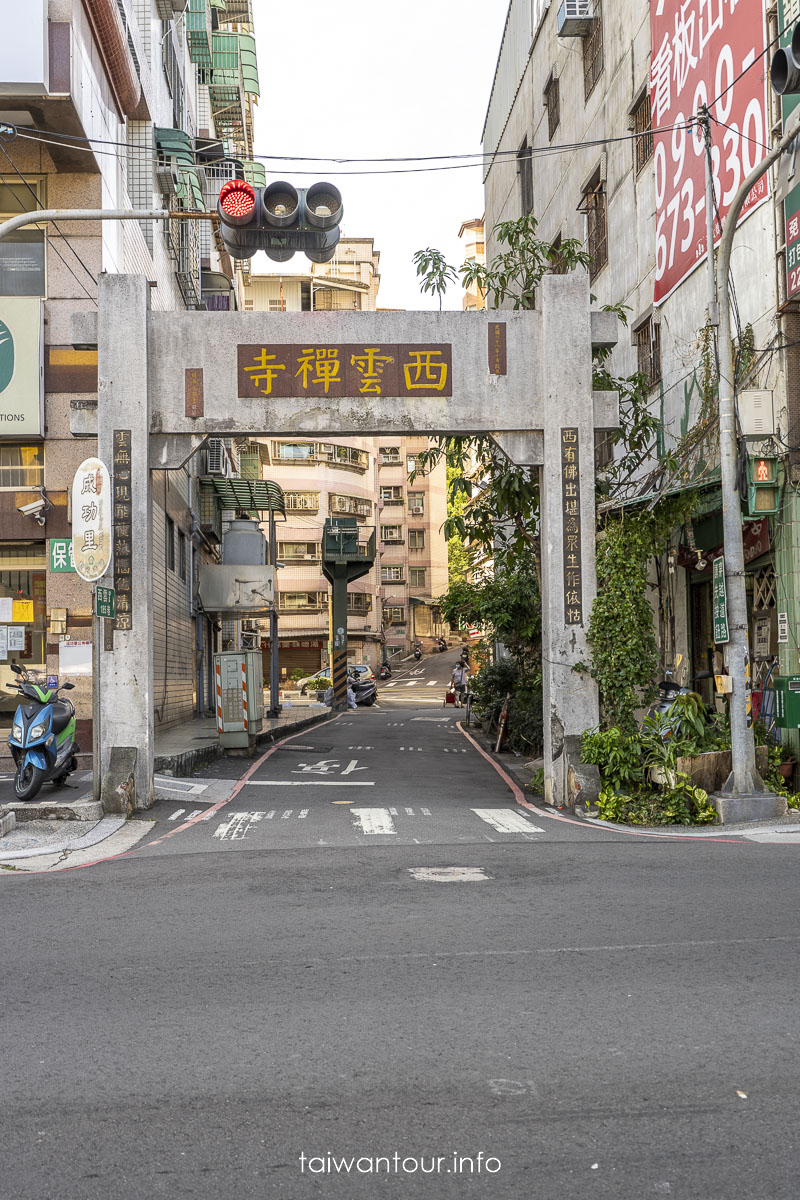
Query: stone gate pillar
point(570, 699)
point(126, 656)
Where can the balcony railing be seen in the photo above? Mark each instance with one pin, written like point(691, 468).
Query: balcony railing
point(348, 544)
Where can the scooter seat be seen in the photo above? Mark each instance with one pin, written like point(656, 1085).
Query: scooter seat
point(62, 715)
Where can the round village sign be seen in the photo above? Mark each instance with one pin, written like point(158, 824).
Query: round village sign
point(91, 519)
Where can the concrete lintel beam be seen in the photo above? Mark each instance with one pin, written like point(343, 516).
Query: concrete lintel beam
point(522, 447)
point(606, 410)
point(169, 451)
point(605, 330)
point(84, 329)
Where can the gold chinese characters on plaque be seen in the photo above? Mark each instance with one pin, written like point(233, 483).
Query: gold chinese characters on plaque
point(571, 512)
point(352, 370)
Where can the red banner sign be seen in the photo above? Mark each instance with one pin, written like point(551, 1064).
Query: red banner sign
point(699, 47)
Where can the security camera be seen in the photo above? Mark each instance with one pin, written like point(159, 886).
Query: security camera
point(35, 508)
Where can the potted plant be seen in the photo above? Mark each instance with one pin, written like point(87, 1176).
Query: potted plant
point(322, 686)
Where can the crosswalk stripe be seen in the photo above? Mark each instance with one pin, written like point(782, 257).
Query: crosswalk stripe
point(506, 820)
point(373, 820)
point(177, 813)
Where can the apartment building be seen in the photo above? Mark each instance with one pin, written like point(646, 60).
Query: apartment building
point(111, 104)
point(472, 236)
point(360, 477)
point(571, 135)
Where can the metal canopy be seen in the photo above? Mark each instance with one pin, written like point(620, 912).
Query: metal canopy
point(259, 495)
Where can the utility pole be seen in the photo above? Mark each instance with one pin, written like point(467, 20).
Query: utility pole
point(744, 782)
point(274, 661)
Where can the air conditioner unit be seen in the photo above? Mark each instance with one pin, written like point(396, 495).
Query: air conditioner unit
point(575, 18)
point(217, 461)
point(418, 511)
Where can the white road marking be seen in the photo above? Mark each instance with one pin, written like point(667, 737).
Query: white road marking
point(240, 823)
point(392, 684)
point(426, 812)
point(412, 683)
point(410, 812)
point(177, 813)
point(393, 812)
point(303, 813)
point(309, 783)
point(431, 683)
point(194, 814)
point(449, 874)
point(270, 814)
point(506, 820)
point(373, 820)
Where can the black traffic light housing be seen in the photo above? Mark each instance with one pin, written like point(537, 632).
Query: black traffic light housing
point(280, 219)
point(784, 71)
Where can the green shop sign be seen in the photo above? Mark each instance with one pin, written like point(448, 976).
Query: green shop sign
point(61, 554)
point(105, 599)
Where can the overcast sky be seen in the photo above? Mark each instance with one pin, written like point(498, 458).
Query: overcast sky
point(369, 78)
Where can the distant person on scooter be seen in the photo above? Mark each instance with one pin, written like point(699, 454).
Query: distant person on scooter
point(460, 679)
point(417, 651)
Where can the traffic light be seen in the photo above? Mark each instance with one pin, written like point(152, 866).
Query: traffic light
point(763, 492)
point(280, 219)
point(784, 71)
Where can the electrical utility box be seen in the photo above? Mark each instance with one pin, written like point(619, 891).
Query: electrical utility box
point(239, 687)
point(787, 701)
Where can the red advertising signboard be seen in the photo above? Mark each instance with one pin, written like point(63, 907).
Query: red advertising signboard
point(699, 47)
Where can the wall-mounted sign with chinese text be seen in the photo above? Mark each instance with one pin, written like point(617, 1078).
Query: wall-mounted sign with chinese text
point(571, 511)
point(720, 602)
point(282, 370)
point(91, 519)
point(61, 556)
point(21, 367)
point(123, 526)
point(700, 48)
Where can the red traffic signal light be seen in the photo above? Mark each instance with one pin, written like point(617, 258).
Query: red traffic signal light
point(237, 202)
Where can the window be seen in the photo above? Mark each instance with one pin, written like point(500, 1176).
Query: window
point(293, 450)
point(392, 574)
point(391, 533)
point(647, 339)
point(170, 543)
point(416, 539)
point(394, 614)
point(416, 503)
point(275, 305)
point(558, 260)
point(594, 205)
point(182, 555)
point(416, 576)
point(302, 501)
point(391, 495)
point(299, 551)
point(353, 505)
point(643, 131)
point(21, 466)
point(22, 253)
point(359, 602)
point(300, 601)
point(552, 104)
point(411, 464)
point(389, 455)
point(593, 54)
point(525, 172)
point(603, 449)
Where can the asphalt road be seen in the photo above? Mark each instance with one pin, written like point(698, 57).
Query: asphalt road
point(595, 1014)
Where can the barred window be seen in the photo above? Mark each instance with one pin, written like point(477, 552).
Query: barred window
point(416, 576)
point(525, 172)
point(416, 539)
point(593, 54)
point(643, 132)
point(552, 104)
point(647, 338)
point(594, 205)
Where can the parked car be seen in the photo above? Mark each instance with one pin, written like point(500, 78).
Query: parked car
point(361, 672)
point(307, 685)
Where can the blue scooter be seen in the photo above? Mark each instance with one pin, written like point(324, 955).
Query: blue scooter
point(42, 737)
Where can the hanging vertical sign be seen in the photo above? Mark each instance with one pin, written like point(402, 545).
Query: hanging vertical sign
point(123, 528)
point(704, 53)
point(571, 510)
point(720, 602)
point(91, 519)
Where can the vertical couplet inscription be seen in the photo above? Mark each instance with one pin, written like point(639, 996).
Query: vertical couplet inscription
point(122, 527)
point(571, 508)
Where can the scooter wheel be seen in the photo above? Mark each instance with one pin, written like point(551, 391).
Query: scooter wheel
point(27, 784)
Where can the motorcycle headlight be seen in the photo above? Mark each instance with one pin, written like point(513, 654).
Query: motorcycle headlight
point(38, 730)
point(17, 733)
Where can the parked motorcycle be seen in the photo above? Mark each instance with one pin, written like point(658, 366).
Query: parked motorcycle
point(385, 671)
point(365, 691)
point(42, 740)
point(442, 644)
point(417, 651)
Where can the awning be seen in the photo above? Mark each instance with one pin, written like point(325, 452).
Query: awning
point(177, 158)
point(254, 495)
